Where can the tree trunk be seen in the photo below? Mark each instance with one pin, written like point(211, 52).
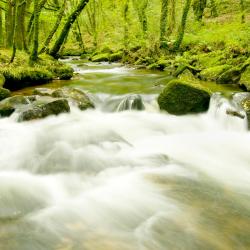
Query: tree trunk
point(125, 17)
point(14, 32)
point(54, 29)
point(183, 25)
point(1, 27)
point(214, 12)
point(34, 53)
point(242, 8)
point(172, 17)
point(9, 15)
point(163, 21)
point(198, 8)
point(70, 21)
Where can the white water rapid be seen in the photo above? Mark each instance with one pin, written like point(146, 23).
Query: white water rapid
point(132, 180)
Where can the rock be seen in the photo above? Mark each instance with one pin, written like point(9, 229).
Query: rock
point(42, 92)
point(232, 76)
point(41, 109)
point(181, 98)
point(116, 56)
point(213, 73)
point(76, 96)
point(9, 105)
point(4, 93)
point(2, 80)
point(63, 72)
point(101, 57)
point(131, 102)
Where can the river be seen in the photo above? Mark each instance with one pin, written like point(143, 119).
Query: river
point(131, 180)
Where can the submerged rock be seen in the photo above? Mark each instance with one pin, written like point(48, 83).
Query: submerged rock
point(76, 96)
point(4, 93)
point(181, 98)
point(131, 102)
point(43, 108)
point(42, 91)
point(9, 105)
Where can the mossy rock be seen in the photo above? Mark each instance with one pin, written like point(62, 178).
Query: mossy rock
point(213, 73)
point(2, 80)
point(181, 98)
point(101, 57)
point(41, 109)
point(63, 72)
point(42, 91)
point(115, 57)
point(24, 77)
point(4, 93)
point(10, 104)
point(76, 96)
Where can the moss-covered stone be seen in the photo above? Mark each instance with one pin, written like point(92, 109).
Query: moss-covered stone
point(4, 93)
point(115, 57)
point(10, 104)
point(63, 72)
point(213, 73)
point(41, 109)
point(104, 57)
point(25, 76)
point(76, 96)
point(181, 98)
point(42, 91)
point(2, 80)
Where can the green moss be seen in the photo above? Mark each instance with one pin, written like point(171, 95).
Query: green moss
point(2, 80)
point(101, 57)
point(213, 73)
point(63, 72)
point(115, 57)
point(4, 93)
point(181, 98)
point(17, 78)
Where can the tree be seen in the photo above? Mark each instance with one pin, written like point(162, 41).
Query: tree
point(198, 8)
point(182, 27)
point(66, 28)
point(172, 16)
point(242, 8)
point(163, 20)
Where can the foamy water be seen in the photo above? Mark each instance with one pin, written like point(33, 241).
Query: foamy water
point(128, 180)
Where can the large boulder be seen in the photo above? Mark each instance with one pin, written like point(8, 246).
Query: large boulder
point(181, 98)
point(43, 108)
point(76, 96)
point(4, 93)
point(101, 57)
point(9, 105)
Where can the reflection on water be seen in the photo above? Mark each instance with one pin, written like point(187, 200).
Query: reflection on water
point(131, 180)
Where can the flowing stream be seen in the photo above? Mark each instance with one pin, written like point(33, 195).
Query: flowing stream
point(131, 180)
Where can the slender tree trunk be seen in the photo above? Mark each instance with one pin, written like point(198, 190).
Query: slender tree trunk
point(214, 12)
point(9, 15)
point(183, 25)
point(163, 21)
point(125, 17)
point(242, 8)
point(172, 17)
point(14, 32)
point(34, 53)
point(70, 21)
point(1, 27)
point(54, 29)
point(198, 8)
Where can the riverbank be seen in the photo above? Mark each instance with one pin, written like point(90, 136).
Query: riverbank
point(20, 74)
